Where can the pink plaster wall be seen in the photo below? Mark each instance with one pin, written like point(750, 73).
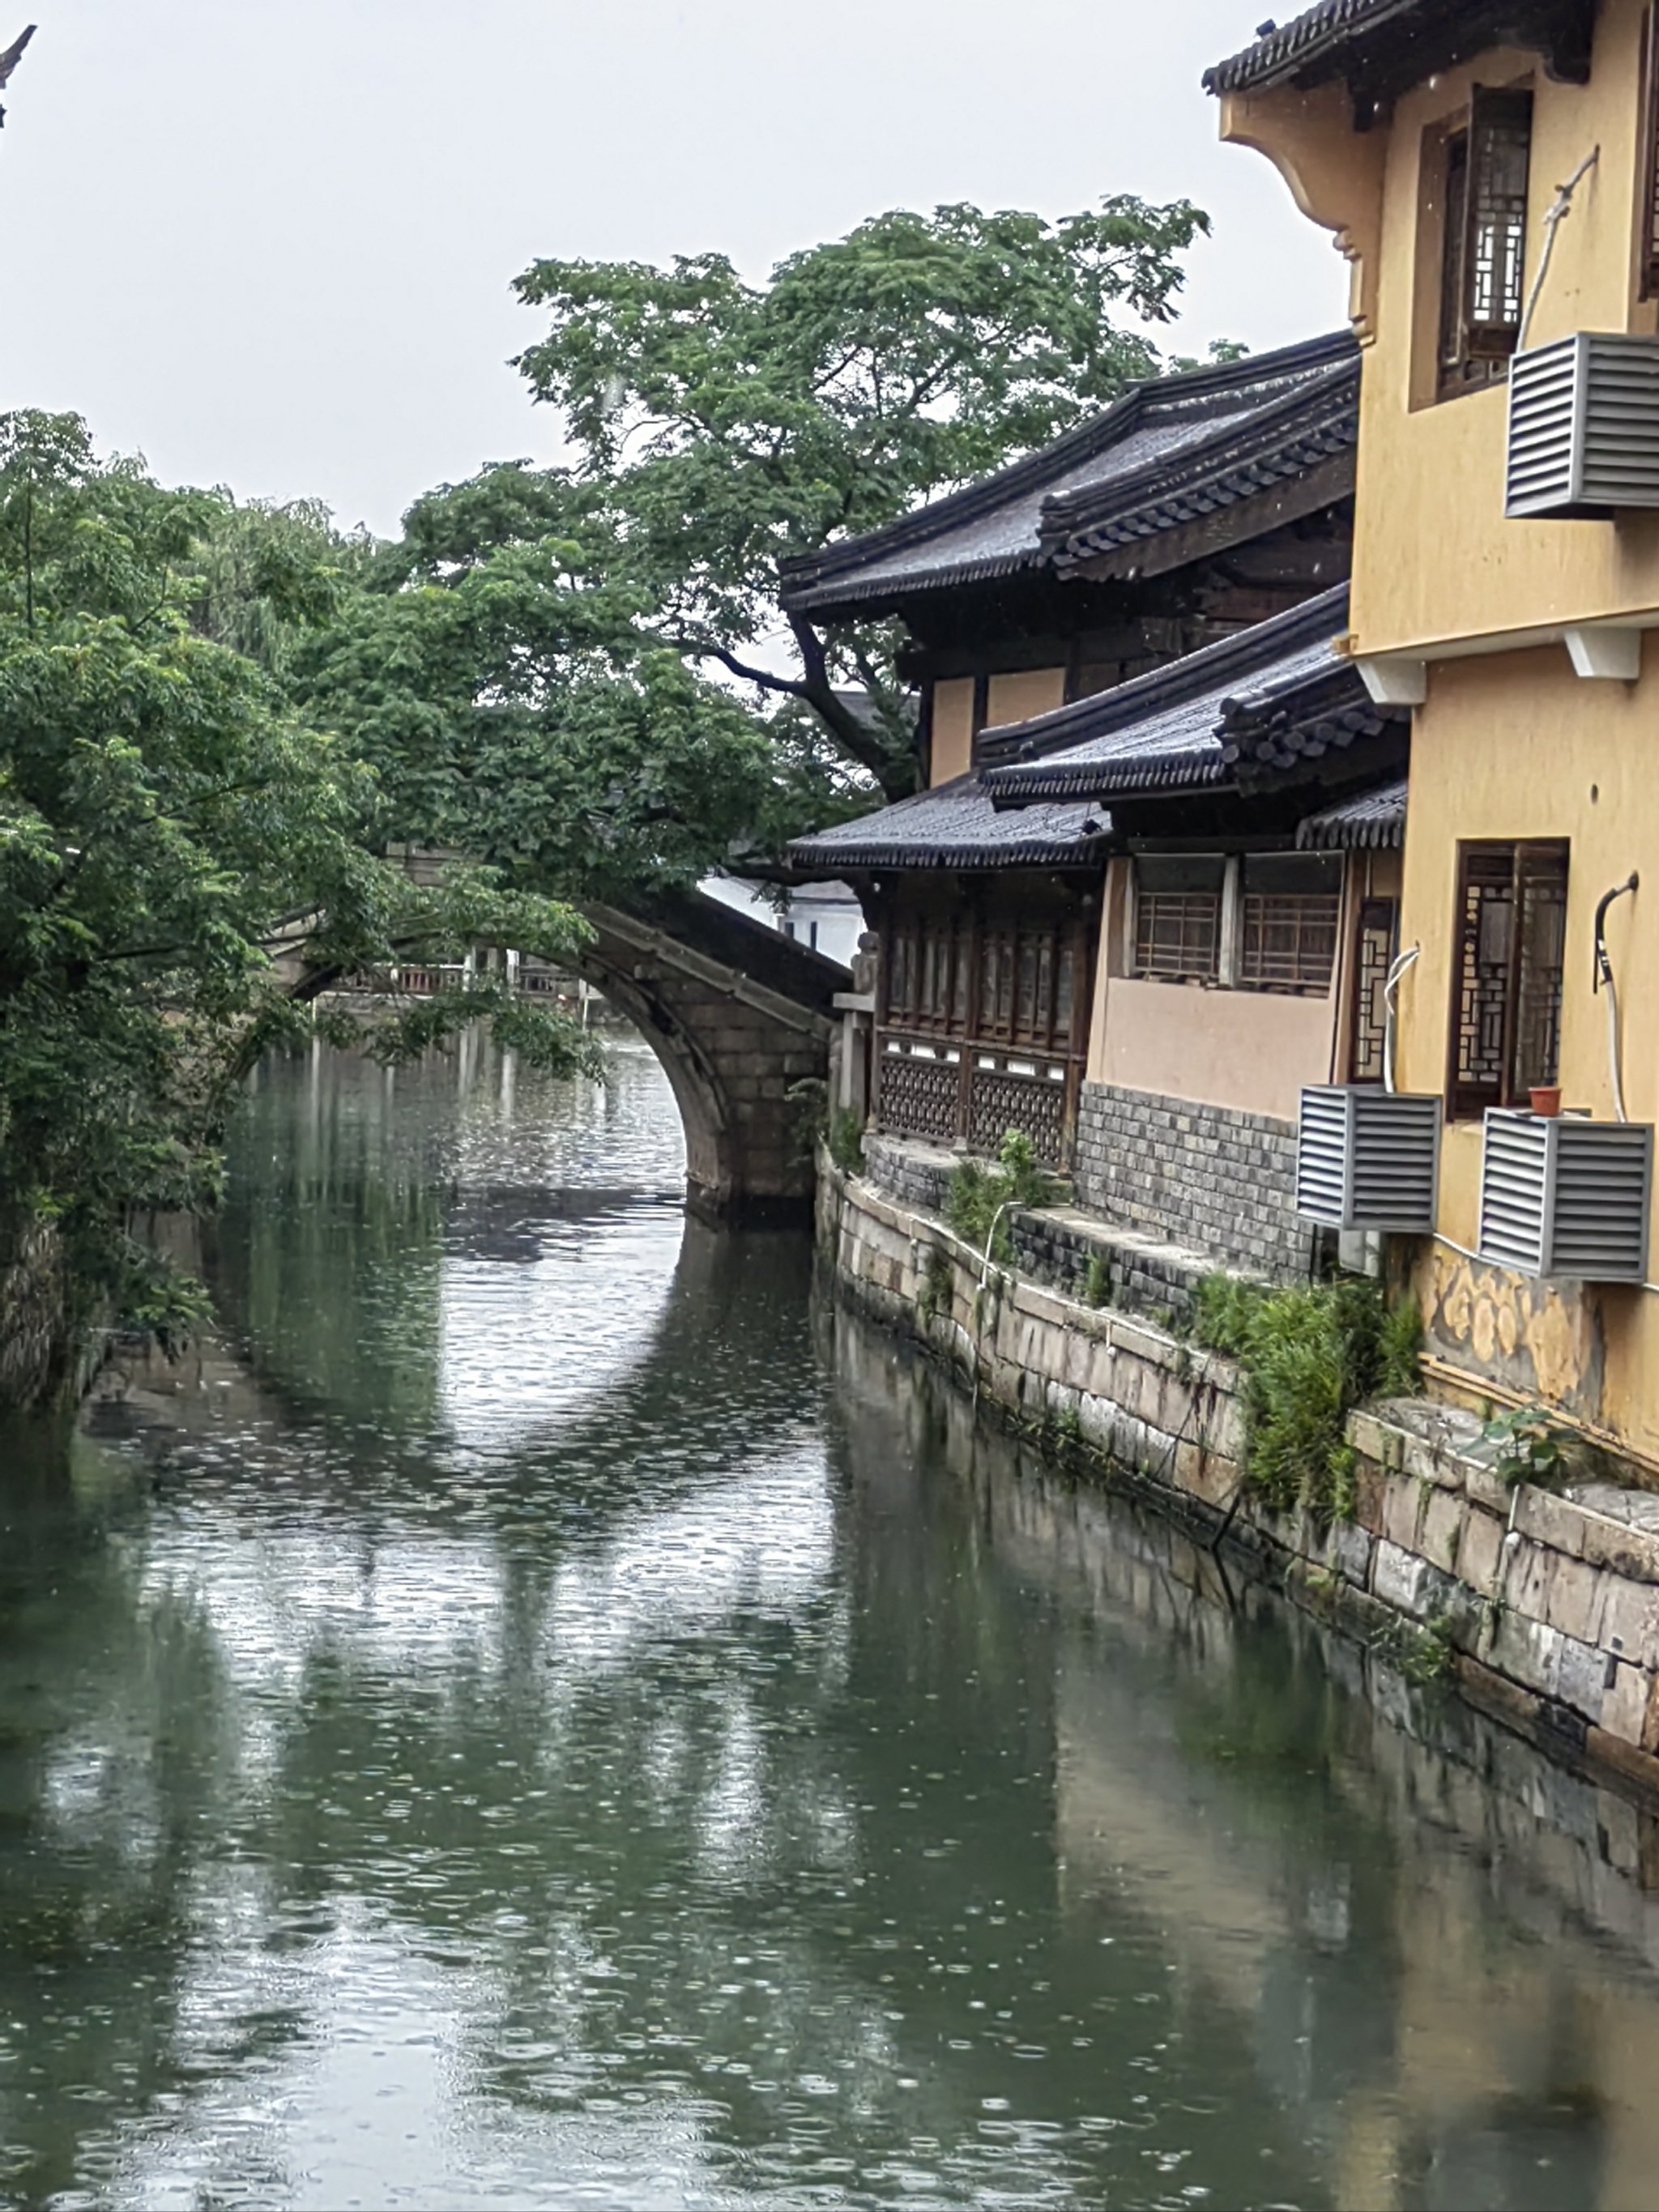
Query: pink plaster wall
point(1249, 1050)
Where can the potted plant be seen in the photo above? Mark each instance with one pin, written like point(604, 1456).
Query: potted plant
point(1545, 1099)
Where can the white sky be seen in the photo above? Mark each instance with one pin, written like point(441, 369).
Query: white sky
point(268, 243)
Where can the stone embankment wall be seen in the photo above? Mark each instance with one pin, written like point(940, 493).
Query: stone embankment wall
point(1543, 1609)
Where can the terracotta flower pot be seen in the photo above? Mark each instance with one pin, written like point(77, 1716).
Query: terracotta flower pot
point(1545, 1099)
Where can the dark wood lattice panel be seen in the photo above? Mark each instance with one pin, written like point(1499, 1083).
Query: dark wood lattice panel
point(1511, 930)
point(918, 1098)
point(1288, 940)
point(1542, 893)
point(1177, 933)
point(1373, 952)
point(1035, 1105)
point(1499, 160)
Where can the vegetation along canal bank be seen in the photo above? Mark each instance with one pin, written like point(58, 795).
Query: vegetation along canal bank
point(1456, 1543)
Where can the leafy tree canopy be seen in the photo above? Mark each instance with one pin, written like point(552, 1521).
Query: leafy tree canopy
point(167, 824)
point(580, 673)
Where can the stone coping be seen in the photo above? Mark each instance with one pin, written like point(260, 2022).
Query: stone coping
point(1596, 1521)
point(1087, 1228)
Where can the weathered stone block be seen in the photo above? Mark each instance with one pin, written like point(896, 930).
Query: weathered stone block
point(1630, 1619)
point(1528, 1570)
point(1403, 1580)
point(1624, 1701)
point(1440, 1536)
point(1403, 1511)
point(1582, 1681)
point(1576, 1597)
point(1548, 1520)
point(1631, 1553)
point(1480, 1550)
point(1348, 1553)
point(1530, 1651)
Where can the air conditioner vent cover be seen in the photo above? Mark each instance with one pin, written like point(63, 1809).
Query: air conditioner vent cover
point(1584, 427)
point(1564, 1196)
point(1368, 1158)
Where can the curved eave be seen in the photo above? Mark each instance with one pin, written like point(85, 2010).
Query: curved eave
point(967, 859)
point(1016, 786)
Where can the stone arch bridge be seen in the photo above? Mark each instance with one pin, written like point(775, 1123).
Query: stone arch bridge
point(737, 1013)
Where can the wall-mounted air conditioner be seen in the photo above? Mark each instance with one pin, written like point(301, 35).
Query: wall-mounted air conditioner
point(1564, 1196)
point(1584, 426)
point(1368, 1158)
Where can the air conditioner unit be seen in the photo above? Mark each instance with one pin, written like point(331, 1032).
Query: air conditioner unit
point(1368, 1158)
point(1584, 427)
point(1560, 1195)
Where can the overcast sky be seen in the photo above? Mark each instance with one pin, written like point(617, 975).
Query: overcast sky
point(268, 243)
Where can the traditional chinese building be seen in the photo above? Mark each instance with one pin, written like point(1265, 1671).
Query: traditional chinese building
point(1491, 172)
point(1197, 508)
point(1255, 795)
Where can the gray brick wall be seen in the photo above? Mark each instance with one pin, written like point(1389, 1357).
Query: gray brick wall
point(914, 1174)
point(1202, 1177)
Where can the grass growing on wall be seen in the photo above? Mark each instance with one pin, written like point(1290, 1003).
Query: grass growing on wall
point(1309, 1355)
point(980, 1199)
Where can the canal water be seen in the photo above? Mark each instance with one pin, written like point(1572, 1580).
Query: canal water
point(545, 1711)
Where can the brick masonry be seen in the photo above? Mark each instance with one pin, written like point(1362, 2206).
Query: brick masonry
point(1196, 1175)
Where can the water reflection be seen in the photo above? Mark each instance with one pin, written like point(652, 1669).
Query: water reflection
point(692, 1766)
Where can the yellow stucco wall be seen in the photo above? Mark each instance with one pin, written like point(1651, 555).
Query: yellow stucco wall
point(1516, 746)
point(953, 728)
point(1435, 560)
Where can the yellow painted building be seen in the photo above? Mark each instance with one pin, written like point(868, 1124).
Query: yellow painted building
point(1438, 159)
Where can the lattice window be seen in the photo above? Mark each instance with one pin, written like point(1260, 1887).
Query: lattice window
point(1034, 1104)
point(1374, 952)
point(918, 1098)
point(1511, 937)
point(1289, 920)
point(1178, 917)
point(1648, 181)
point(1483, 268)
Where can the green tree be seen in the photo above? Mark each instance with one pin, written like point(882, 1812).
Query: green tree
point(580, 673)
point(724, 426)
point(167, 822)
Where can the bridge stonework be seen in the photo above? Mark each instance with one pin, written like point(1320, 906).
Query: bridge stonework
point(737, 1014)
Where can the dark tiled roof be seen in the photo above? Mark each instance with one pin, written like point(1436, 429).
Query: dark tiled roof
point(1374, 820)
point(1383, 46)
point(1264, 700)
point(955, 826)
point(1168, 430)
point(1316, 422)
point(1306, 39)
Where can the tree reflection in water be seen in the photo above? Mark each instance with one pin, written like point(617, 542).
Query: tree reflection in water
point(704, 1768)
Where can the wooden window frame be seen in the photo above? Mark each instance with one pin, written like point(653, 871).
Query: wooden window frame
point(1647, 175)
point(1538, 881)
point(1483, 247)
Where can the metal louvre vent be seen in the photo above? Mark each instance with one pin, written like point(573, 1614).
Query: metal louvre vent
point(1563, 1196)
point(1584, 426)
point(1368, 1158)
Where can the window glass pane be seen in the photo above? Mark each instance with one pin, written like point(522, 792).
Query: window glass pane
point(1180, 872)
point(1293, 872)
